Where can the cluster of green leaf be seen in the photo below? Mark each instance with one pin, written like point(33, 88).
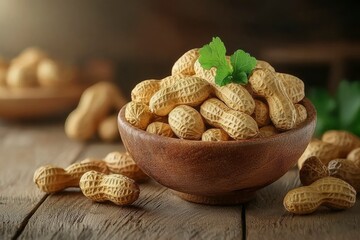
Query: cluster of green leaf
point(341, 111)
point(237, 71)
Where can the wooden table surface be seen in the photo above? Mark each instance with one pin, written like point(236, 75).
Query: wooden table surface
point(27, 213)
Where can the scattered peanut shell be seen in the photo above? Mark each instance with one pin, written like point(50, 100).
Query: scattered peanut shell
point(312, 170)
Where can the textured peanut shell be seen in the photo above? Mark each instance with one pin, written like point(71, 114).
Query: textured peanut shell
point(108, 130)
point(328, 191)
point(185, 64)
point(261, 113)
point(312, 170)
point(53, 179)
point(215, 134)
point(294, 87)
point(116, 188)
point(282, 110)
point(190, 91)
point(267, 131)
point(123, 163)
point(186, 122)
point(263, 64)
point(138, 114)
point(233, 95)
point(160, 128)
point(237, 124)
point(144, 90)
point(346, 141)
point(323, 150)
point(171, 80)
point(301, 114)
point(354, 156)
point(346, 170)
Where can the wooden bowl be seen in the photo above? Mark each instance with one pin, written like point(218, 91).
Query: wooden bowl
point(217, 172)
point(38, 102)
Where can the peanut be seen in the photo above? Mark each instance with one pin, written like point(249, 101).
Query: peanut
point(237, 124)
point(328, 191)
point(191, 91)
point(346, 141)
point(138, 115)
point(30, 56)
point(116, 188)
point(186, 122)
point(144, 90)
point(185, 64)
point(3, 73)
point(261, 113)
point(53, 74)
point(263, 64)
point(108, 129)
point(294, 87)
point(312, 170)
point(301, 114)
point(323, 150)
point(267, 131)
point(354, 156)
point(171, 80)
point(282, 110)
point(215, 134)
point(346, 170)
point(160, 128)
point(95, 104)
point(21, 75)
point(123, 163)
point(53, 179)
point(233, 95)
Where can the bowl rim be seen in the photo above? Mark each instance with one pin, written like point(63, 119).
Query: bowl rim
point(311, 117)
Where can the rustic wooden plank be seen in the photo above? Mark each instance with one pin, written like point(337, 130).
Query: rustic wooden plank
point(157, 214)
point(23, 148)
point(266, 216)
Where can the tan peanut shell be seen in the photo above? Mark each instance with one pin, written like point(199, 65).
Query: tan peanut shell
point(171, 80)
point(144, 90)
point(267, 131)
point(346, 141)
point(261, 113)
point(312, 170)
point(346, 170)
point(264, 64)
point(30, 56)
point(123, 163)
point(116, 188)
point(323, 150)
point(160, 128)
point(138, 114)
point(185, 64)
point(215, 134)
point(233, 95)
point(108, 129)
point(294, 87)
point(51, 73)
point(354, 156)
point(328, 191)
point(190, 91)
point(237, 124)
point(95, 104)
point(186, 122)
point(282, 110)
point(301, 114)
point(53, 179)
point(21, 75)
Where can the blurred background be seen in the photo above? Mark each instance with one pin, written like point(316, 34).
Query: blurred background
point(129, 41)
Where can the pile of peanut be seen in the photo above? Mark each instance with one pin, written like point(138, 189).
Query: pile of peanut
point(190, 105)
point(34, 68)
point(94, 178)
point(96, 114)
point(330, 173)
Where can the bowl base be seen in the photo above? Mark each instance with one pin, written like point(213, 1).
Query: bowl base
point(236, 197)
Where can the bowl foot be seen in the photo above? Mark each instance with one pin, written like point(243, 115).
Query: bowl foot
point(236, 197)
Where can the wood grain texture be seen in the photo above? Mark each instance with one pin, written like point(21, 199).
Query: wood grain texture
point(266, 216)
point(157, 214)
point(22, 150)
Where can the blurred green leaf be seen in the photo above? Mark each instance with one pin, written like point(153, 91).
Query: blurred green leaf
point(348, 98)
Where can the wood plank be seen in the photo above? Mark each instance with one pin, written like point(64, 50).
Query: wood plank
point(266, 216)
point(157, 214)
point(23, 148)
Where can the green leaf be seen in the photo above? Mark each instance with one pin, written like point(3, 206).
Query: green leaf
point(348, 97)
point(213, 54)
point(242, 62)
point(240, 77)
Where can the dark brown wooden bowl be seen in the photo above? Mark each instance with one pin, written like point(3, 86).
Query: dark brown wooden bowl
point(217, 172)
